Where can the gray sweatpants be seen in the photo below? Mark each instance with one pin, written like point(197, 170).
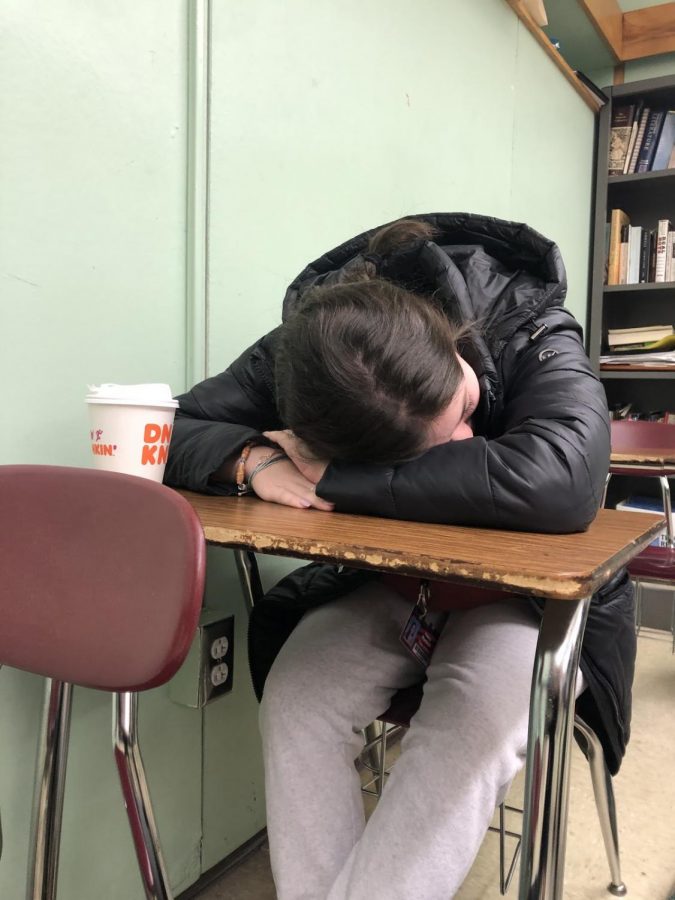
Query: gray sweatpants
point(335, 675)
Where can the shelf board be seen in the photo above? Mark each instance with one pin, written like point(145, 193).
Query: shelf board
point(640, 177)
point(658, 374)
point(638, 288)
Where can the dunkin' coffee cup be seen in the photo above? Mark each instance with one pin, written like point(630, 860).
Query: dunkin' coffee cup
point(131, 427)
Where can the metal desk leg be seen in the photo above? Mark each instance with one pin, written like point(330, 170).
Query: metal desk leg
point(50, 777)
point(548, 744)
point(249, 577)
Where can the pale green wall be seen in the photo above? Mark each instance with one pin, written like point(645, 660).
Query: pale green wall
point(637, 70)
point(331, 118)
point(92, 161)
point(92, 181)
point(327, 118)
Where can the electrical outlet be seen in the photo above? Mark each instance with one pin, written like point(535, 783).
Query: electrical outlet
point(219, 647)
point(217, 658)
point(207, 671)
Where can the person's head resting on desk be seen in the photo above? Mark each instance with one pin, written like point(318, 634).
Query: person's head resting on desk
point(369, 371)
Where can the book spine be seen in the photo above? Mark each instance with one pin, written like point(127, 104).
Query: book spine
point(623, 255)
point(633, 136)
point(669, 256)
point(614, 268)
point(652, 255)
point(644, 256)
point(666, 143)
point(622, 123)
point(652, 135)
point(661, 246)
point(644, 119)
point(634, 238)
point(623, 348)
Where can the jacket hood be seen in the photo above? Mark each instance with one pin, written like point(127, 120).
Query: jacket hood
point(480, 268)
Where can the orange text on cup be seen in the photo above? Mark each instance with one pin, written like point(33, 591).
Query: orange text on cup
point(156, 446)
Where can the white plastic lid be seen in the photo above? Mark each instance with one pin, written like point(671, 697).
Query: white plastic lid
point(132, 394)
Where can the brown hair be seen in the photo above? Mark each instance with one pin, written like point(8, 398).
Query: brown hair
point(363, 368)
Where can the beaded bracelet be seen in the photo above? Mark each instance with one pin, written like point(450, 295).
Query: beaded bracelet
point(263, 464)
point(240, 476)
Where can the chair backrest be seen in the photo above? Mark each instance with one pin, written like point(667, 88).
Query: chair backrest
point(648, 443)
point(101, 576)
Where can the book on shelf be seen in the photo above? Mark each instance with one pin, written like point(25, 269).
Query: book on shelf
point(634, 244)
point(619, 138)
point(663, 359)
point(650, 141)
point(623, 255)
point(642, 336)
point(642, 139)
point(632, 158)
point(644, 256)
point(652, 254)
point(637, 254)
point(662, 256)
point(666, 143)
point(634, 129)
point(618, 220)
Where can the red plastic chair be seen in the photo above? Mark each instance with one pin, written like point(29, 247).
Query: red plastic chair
point(102, 582)
point(647, 450)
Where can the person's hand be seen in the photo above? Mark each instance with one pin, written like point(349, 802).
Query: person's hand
point(300, 455)
point(283, 483)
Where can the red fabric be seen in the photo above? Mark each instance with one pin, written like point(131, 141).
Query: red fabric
point(444, 594)
point(654, 562)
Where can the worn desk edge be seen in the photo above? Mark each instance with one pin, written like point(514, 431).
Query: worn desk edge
point(564, 587)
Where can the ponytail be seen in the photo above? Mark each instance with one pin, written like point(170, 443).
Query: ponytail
point(400, 235)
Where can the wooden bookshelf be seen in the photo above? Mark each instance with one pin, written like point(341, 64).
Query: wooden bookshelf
point(646, 197)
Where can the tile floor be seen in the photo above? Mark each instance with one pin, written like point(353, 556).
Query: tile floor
point(645, 796)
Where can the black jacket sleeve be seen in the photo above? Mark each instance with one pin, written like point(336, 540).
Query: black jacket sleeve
point(221, 414)
point(544, 471)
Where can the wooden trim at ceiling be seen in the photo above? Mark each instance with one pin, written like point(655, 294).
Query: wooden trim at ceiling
point(607, 19)
point(633, 35)
point(649, 31)
point(528, 21)
point(537, 11)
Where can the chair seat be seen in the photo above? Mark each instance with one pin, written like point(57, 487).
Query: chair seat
point(654, 562)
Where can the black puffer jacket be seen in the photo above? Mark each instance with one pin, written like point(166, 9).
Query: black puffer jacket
point(538, 460)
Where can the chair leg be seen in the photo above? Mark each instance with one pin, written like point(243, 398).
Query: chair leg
point(137, 798)
point(375, 736)
point(604, 493)
point(50, 777)
point(667, 509)
point(604, 801)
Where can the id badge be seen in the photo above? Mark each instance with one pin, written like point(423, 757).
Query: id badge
point(423, 629)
